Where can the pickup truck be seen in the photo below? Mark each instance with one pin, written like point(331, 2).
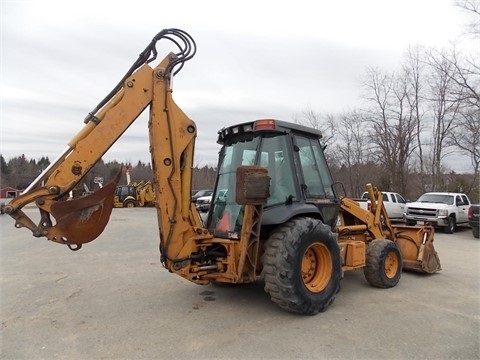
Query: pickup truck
point(441, 209)
point(474, 219)
point(394, 204)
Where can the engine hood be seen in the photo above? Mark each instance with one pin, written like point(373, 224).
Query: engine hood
point(425, 205)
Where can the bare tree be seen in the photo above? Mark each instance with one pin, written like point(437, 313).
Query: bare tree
point(351, 151)
point(414, 68)
point(473, 8)
point(465, 92)
point(393, 124)
point(406, 124)
point(319, 121)
point(445, 109)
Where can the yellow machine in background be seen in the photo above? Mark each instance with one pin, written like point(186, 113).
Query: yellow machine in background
point(275, 216)
point(134, 195)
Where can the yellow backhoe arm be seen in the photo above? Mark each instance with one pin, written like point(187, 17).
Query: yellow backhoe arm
point(173, 133)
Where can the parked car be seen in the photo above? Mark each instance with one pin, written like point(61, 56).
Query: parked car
point(201, 193)
point(203, 203)
point(441, 209)
point(474, 219)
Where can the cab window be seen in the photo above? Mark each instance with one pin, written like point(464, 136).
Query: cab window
point(274, 157)
point(318, 182)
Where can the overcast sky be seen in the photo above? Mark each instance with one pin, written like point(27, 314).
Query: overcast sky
point(255, 59)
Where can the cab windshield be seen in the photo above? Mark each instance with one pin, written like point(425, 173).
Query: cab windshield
point(225, 218)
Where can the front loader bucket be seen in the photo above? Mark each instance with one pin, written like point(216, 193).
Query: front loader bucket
point(416, 246)
point(82, 220)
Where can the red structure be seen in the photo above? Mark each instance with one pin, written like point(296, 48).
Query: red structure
point(9, 192)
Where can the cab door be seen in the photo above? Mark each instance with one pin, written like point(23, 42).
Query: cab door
point(462, 204)
point(317, 183)
point(397, 206)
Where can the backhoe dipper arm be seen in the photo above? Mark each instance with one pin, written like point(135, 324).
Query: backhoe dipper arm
point(172, 137)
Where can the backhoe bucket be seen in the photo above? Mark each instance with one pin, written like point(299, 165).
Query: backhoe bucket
point(416, 246)
point(82, 220)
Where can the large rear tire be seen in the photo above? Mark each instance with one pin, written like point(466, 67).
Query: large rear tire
point(384, 264)
point(301, 266)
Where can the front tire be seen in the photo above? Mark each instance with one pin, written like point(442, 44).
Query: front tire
point(302, 267)
point(384, 264)
point(129, 204)
point(451, 225)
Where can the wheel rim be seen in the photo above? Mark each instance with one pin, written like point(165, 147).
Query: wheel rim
point(130, 205)
point(316, 267)
point(391, 265)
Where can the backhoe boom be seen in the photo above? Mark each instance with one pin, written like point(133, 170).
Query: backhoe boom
point(170, 130)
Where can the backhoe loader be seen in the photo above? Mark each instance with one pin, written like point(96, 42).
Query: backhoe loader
point(279, 218)
point(134, 195)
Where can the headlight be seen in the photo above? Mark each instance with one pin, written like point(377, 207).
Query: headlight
point(442, 212)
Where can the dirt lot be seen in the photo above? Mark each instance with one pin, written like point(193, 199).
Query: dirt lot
point(113, 300)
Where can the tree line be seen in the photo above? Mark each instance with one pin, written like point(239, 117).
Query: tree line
point(19, 172)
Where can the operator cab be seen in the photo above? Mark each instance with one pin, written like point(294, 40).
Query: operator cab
point(300, 180)
point(124, 191)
